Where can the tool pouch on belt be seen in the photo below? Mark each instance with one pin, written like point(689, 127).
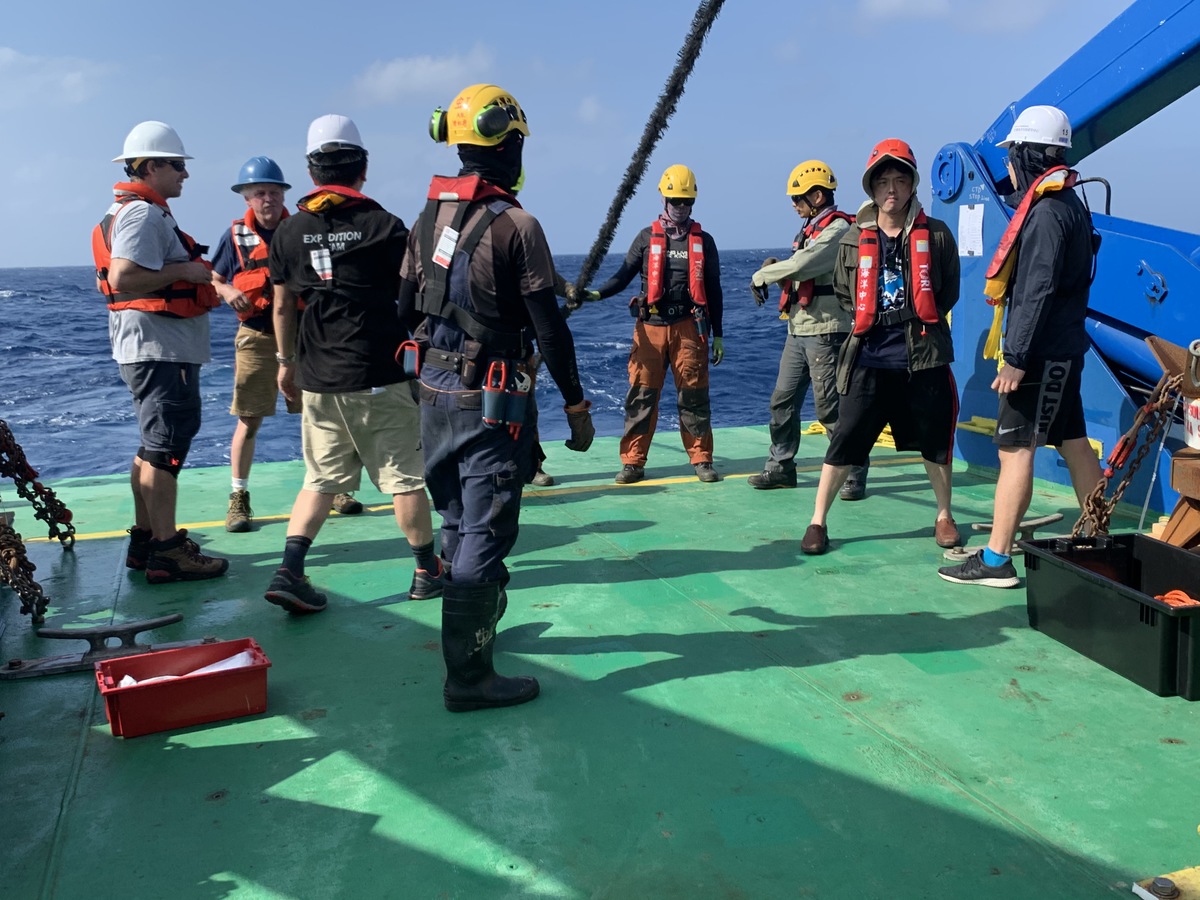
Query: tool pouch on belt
point(410, 355)
point(701, 315)
point(639, 309)
point(471, 368)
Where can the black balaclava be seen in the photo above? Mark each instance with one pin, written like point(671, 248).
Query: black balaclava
point(499, 164)
point(1029, 161)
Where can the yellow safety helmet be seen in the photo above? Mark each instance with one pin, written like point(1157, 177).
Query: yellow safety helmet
point(678, 181)
point(808, 175)
point(482, 114)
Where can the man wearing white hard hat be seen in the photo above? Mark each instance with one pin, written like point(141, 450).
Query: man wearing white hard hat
point(1042, 272)
point(159, 291)
point(340, 255)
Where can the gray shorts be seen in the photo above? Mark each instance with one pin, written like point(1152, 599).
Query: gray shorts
point(166, 401)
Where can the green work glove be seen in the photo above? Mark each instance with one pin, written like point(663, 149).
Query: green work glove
point(582, 429)
point(591, 296)
point(718, 350)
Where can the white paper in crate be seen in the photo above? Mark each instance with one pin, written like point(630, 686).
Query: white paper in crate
point(237, 661)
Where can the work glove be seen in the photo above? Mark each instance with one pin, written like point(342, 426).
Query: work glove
point(582, 429)
point(760, 291)
point(718, 350)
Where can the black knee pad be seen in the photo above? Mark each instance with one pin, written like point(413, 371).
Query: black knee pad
point(165, 461)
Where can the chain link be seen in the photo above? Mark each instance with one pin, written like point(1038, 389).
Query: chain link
point(16, 570)
point(1096, 516)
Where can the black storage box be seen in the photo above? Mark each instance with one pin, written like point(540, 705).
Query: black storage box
point(1096, 595)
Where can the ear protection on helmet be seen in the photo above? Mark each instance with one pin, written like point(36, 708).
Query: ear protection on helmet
point(437, 126)
point(490, 122)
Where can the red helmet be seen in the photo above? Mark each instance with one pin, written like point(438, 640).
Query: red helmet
point(895, 149)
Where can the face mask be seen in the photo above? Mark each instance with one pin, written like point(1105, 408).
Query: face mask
point(679, 214)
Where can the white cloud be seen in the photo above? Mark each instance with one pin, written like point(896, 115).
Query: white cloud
point(903, 9)
point(47, 81)
point(420, 76)
point(967, 16)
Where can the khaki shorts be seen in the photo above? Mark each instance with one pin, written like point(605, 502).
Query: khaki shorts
point(377, 430)
point(255, 374)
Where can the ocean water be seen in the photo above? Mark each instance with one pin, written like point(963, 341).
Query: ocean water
point(69, 410)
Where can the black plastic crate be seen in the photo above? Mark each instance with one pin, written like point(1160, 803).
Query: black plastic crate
point(1097, 597)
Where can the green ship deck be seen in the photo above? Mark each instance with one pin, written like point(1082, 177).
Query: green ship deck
point(720, 716)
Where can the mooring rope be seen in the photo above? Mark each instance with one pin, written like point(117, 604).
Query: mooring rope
point(702, 23)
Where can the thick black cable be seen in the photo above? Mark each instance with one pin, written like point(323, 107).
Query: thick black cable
point(702, 23)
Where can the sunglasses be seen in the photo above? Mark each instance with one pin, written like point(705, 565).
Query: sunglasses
point(177, 164)
point(681, 201)
point(797, 199)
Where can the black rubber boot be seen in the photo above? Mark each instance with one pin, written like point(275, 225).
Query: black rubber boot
point(469, 616)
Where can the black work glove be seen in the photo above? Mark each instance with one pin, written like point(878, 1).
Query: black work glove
point(582, 429)
point(760, 291)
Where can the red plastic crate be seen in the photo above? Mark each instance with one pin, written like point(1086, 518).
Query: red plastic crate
point(186, 701)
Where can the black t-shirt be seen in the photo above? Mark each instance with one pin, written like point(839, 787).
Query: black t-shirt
point(885, 346)
point(343, 261)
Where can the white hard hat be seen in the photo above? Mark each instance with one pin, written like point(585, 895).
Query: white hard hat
point(1046, 125)
point(333, 132)
point(152, 140)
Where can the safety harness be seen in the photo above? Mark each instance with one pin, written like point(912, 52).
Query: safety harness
point(445, 262)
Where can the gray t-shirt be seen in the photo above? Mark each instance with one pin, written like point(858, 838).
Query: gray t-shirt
point(143, 235)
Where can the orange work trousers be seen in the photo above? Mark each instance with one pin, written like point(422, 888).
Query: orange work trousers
point(655, 347)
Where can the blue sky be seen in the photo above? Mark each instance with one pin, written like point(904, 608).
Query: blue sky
point(778, 82)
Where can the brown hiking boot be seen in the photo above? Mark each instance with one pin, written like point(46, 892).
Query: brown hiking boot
point(179, 559)
point(240, 515)
point(347, 505)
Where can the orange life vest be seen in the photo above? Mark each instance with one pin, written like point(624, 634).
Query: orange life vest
point(921, 303)
point(253, 277)
point(180, 299)
point(802, 292)
point(656, 265)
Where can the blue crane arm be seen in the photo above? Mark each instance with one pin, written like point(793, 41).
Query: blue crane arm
point(1143, 61)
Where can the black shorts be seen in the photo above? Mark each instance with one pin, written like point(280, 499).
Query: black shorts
point(166, 400)
point(1045, 409)
point(921, 407)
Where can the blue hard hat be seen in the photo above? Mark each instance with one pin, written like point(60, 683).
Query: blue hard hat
point(259, 170)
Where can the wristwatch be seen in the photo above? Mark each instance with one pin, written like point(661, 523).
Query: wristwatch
point(284, 360)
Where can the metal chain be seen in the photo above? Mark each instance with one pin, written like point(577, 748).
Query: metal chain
point(16, 570)
point(46, 505)
point(1097, 511)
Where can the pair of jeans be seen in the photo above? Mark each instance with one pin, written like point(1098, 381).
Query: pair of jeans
point(475, 476)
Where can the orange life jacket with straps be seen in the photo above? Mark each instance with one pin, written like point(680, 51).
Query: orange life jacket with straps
point(253, 277)
point(180, 299)
point(921, 304)
point(802, 292)
point(656, 265)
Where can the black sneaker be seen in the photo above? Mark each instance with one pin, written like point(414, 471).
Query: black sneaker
point(630, 474)
point(706, 473)
point(179, 559)
point(295, 594)
point(853, 489)
point(426, 586)
point(974, 571)
point(768, 479)
point(138, 550)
